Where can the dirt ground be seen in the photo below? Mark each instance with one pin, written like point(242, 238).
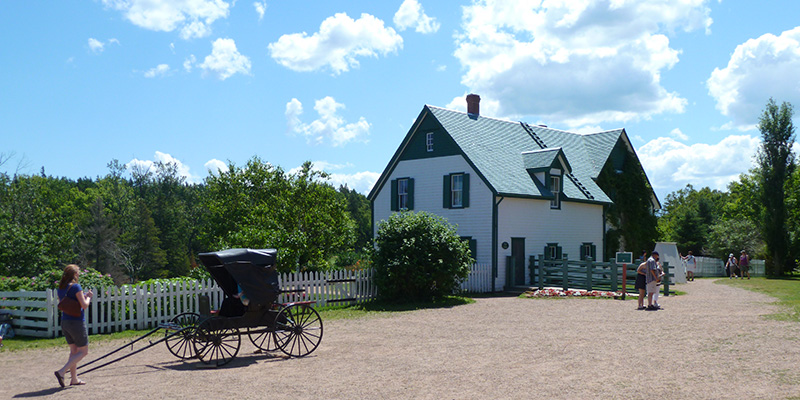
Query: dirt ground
point(712, 343)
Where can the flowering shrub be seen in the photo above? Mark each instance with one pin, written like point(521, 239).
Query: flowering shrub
point(552, 292)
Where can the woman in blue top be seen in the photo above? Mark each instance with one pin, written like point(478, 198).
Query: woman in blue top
point(74, 328)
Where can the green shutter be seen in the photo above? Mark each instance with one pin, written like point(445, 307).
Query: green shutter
point(410, 193)
point(446, 192)
point(583, 252)
point(473, 248)
point(594, 252)
point(394, 195)
point(546, 252)
point(465, 191)
point(558, 252)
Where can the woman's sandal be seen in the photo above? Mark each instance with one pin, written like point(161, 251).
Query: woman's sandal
point(78, 383)
point(60, 379)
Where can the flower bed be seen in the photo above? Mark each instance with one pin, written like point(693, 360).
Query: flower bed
point(553, 292)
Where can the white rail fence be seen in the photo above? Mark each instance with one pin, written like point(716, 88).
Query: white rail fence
point(140, 307)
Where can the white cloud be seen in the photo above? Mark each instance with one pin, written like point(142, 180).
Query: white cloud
point(670, 164)
point(261, 8)
point(678, 134)
point(329, 127)
point(213, 166)
point(189, 62)
point(757, 70)
point(160, 70)
point(192, 17)
point(96, 46)
point(225, 60)
point(361, 182)
point(337, 45)
point(411, 14)
point(150, 165)
point(575, 62)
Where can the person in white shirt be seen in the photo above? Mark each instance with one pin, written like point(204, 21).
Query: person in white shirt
point(691, 265)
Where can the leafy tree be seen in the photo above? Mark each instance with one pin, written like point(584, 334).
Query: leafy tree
point(359, 209)
point(260, 206)
point(776, 162)
point(419, 256)
point(633, 226)
point(687, 217)
point(37, 228)
point(732, 236)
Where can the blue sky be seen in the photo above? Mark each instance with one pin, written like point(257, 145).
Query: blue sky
point(206, 82)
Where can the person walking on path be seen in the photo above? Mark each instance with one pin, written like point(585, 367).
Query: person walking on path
point(641, 281)
point(744, 265)
point(652, 279)
point(691, 265)
point(731, 266)
point(74, 328)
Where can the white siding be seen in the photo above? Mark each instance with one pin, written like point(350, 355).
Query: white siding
point(474, 221)
point(534, 220)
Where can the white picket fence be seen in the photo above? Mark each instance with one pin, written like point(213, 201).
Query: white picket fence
point(141, 307)
point(479, 279)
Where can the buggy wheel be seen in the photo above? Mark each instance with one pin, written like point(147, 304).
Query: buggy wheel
point(298, 330)
point(180, 345)
point(216, 347)
point(263, 338)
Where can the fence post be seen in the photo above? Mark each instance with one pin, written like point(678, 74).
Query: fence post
point(615, 275)
point(565, 276)
point(666, 279)
point(589, 273)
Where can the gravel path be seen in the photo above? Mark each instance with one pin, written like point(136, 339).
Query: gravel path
point(712, 343)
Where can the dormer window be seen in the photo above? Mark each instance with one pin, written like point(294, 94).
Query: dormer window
point(555, 188)
point(429, 141)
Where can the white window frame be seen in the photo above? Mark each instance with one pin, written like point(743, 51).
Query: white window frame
point(457, 190)
point(402, 194)
point(555, 188)
point(429, 141)
point(587, 249)
point(553, 249)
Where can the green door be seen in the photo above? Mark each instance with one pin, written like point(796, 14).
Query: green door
point(518, 254)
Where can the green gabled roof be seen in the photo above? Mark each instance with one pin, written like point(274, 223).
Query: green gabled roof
point(495, 148)
point(543, 159)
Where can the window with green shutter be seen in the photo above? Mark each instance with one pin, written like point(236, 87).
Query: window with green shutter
point(402, 194)
point(455, 191)
point(552, 251)
point(588, 250)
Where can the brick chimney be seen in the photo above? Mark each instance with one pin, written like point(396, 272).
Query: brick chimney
point(473, 104)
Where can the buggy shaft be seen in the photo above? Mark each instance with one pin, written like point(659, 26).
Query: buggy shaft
point(135, 352)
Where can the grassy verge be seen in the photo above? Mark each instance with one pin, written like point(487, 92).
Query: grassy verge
point(327, 313)
point(786, 290)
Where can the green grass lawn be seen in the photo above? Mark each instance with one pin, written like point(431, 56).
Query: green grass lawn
point(786, 290)
point(327, 314)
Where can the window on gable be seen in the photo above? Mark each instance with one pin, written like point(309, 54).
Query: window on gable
point(429, 141)
point(555, 187)
point(402, 194)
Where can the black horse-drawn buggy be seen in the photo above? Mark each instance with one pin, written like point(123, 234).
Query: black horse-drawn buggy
point(249, 281)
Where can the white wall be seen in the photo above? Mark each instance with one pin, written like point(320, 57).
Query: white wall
point(534, 220)
point(475, 221)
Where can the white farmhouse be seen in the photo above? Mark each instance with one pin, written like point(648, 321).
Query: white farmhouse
point(512, 189)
